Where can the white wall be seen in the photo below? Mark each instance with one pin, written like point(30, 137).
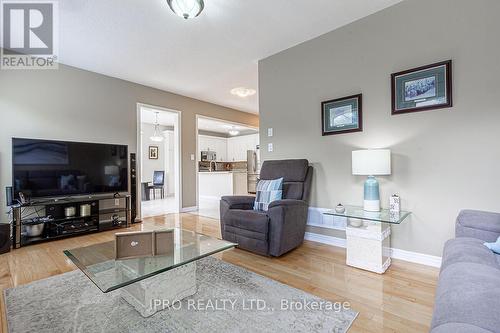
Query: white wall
point(443, 160)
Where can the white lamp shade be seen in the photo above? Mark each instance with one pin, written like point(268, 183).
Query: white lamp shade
point(371, 162)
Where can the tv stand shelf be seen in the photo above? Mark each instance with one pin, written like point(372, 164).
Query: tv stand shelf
point(104, 212)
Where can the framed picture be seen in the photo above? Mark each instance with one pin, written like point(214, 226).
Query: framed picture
point(423, 88)
point(342, 115)
point(153, 152)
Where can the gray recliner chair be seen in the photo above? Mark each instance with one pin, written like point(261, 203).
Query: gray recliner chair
point(282, 227)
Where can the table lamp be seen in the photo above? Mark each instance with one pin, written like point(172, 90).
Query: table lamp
point(371, 163)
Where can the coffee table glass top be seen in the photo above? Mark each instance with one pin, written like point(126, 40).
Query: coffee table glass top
point(384, 216)
point(98, 261)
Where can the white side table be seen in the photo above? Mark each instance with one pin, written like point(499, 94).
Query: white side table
point(368, 237)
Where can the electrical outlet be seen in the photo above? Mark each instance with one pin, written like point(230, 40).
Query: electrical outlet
point(117, 202)
point(269, 132)
point(270, 147)
point(192, 157)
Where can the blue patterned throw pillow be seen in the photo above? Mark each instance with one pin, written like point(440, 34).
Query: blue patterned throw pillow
point(495, 247)
point(267, 192)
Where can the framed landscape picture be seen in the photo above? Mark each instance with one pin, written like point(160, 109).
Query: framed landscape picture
point(153, 152)
point(342, 115)
point(423, 88)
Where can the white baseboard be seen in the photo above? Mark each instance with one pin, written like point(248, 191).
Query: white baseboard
point(330, 240)
point(418, 258)
point(189, 209)
point(316, 218)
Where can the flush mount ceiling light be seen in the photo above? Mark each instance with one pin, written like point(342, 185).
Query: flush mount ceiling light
point(186, 8)
point(243, 92)
point(157, 137)
point(234, 132)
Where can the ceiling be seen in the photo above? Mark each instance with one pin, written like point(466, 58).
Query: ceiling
point(143, 41)
point(222, 127)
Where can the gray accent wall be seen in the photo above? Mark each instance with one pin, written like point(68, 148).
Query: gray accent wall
point(443, 160)
point(78, 105)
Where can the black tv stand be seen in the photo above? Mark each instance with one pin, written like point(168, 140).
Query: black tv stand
point(104, 212)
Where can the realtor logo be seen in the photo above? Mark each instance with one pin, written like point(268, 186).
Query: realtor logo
point(29, 34)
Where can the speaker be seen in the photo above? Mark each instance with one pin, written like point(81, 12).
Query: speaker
point(9, 195)
point(133, 188)
point(4, 237)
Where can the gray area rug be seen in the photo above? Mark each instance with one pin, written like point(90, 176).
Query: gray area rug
point(223, 303)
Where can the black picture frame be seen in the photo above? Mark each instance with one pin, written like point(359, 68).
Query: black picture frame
point(153, 152)
point(355, 102)
point(436, 93)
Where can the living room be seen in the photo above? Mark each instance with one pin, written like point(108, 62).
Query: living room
point(375, 207)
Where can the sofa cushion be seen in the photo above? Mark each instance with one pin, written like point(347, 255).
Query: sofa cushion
point(468, 250)
point(468, 293)
point(293, 190)
point(248, 220)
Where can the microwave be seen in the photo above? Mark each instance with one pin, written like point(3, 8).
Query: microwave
point(208, 156)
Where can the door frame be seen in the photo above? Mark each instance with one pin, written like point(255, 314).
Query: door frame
point(177, 153)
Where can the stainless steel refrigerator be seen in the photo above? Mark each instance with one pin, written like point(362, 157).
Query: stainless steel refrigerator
point(253, 170)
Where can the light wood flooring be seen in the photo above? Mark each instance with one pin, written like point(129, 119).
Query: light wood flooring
point(401, 300)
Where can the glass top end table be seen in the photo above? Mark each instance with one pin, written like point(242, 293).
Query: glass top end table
point(368, 241)
point(145, 280)
point(384, 216)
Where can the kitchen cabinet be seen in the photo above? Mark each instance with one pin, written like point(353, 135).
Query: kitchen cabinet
point(213, 143)
point(237, 146)
point(230, 149)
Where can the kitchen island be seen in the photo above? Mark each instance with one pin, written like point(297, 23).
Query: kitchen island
point(215, 184)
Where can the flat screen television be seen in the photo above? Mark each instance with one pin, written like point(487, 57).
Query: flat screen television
point(46, 168)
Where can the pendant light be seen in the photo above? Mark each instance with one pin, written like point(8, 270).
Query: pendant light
point(186, 8)
point(157, 137)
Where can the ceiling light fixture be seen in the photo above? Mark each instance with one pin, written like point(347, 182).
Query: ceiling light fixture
point(157, 137)
point(243, 92)
point(186, 8)
point(234, 132)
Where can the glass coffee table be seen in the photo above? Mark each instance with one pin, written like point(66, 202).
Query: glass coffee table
point(368, 241)
point(148, 283)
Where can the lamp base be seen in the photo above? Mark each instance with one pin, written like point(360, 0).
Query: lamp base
point(371, 205)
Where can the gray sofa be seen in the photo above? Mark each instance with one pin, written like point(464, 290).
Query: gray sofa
point(282, 227)
point(468, 292)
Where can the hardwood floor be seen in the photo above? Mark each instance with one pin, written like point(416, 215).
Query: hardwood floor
point(401, 300)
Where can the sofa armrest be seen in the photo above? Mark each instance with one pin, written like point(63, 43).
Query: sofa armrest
point(287, 225)
point(478, 224)
point(239, 202)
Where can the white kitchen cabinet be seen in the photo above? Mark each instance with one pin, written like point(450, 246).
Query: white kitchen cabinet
point(221, 149)
point(240, 183)
point(213, 143)
point(237, 146)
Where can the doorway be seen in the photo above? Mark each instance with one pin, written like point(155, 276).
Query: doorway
point(227, 161)
point(158, 156)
